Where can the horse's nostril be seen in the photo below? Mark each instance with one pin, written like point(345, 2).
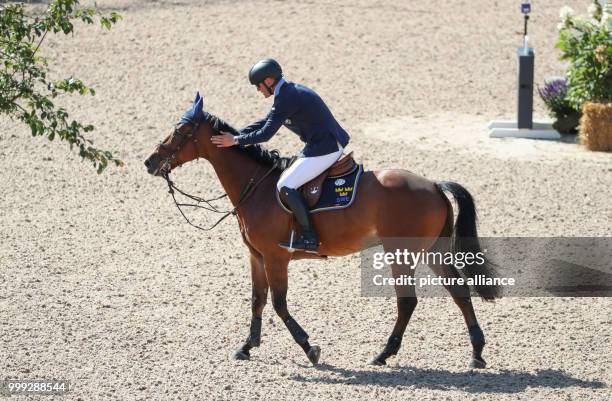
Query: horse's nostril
point(147, 163)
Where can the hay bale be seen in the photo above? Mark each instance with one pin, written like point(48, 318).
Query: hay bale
point(596, 126)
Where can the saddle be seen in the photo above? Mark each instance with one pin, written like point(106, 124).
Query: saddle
point(312, 190)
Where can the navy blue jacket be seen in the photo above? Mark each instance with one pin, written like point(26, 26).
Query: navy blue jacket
point(302, 111)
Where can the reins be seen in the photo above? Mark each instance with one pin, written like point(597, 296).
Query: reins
point(246, 192)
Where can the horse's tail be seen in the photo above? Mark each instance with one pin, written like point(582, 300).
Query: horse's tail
point(465, 240)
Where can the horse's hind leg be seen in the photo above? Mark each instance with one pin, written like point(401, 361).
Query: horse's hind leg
point(405, 306)
point(258, 301)
point(461, 296)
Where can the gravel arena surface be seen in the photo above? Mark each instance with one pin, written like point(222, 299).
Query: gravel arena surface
point(104, 285)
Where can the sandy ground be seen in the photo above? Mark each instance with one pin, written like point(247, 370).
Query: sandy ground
point(102, 283)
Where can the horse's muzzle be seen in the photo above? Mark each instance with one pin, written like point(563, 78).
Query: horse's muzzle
point(156, 166)
point(150, 167)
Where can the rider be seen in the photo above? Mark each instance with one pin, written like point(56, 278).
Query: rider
point(302, 111)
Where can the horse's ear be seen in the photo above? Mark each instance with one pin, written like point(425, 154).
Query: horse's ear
point(198, 108)
point(196, 98)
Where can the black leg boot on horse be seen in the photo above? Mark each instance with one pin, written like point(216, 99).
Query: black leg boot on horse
point(308, 240)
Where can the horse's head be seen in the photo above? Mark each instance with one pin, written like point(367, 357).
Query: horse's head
point(181, 146)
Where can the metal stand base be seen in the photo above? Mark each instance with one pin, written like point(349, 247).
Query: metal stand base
point(509, 129)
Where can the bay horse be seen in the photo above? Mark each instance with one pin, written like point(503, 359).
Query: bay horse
point(390, 204)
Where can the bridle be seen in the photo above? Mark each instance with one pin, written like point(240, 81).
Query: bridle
point(166, 162)
point(164, 171)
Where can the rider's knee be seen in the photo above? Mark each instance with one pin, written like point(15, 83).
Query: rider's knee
point(283, 184)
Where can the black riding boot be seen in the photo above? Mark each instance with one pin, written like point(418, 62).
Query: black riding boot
point(308, 240)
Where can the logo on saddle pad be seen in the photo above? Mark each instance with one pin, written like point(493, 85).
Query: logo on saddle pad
point(314, 190)
point(339, 181)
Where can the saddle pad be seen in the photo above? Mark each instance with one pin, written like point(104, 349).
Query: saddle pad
point(337, 192)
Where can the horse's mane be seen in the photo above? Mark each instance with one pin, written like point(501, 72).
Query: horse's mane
point(256, 152)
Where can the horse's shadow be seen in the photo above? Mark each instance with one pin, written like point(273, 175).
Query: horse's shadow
point(501, 381)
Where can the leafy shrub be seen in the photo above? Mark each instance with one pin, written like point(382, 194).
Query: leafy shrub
point(586, 43)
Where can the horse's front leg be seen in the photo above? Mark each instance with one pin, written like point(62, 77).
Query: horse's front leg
point(258, 301)
point(276, 271)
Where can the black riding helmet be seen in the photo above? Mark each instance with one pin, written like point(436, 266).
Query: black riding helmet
point(264, 69)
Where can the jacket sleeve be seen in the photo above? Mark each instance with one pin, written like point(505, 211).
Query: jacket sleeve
point(257, 125)
point(275, 119)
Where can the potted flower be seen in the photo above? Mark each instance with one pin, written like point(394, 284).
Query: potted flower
point(586, 43)
point(554, 96)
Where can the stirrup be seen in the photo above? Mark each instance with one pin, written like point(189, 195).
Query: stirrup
point(301, 244)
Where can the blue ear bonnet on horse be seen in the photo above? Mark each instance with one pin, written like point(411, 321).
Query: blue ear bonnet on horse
point(196, 113)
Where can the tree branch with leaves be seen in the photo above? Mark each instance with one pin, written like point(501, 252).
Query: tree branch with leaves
point(27, 93)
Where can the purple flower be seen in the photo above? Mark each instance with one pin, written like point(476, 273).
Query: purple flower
point(555, 88)
point(554, 95)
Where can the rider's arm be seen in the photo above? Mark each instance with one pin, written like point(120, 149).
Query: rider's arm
point(277, 116)
point(257, 125)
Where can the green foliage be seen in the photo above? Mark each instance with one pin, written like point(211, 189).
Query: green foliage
point(27, 93)
point(587, 45)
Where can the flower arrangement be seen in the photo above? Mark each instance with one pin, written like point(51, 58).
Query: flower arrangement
point(554, 95)
point(584, 99)
point(586, 43)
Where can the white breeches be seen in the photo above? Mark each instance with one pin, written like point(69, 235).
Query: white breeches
point(305, 169)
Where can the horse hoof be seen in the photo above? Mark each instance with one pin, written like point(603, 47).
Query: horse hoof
point(377, 362)
point(313, 354)
point(478, 364)
point(240, 355)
